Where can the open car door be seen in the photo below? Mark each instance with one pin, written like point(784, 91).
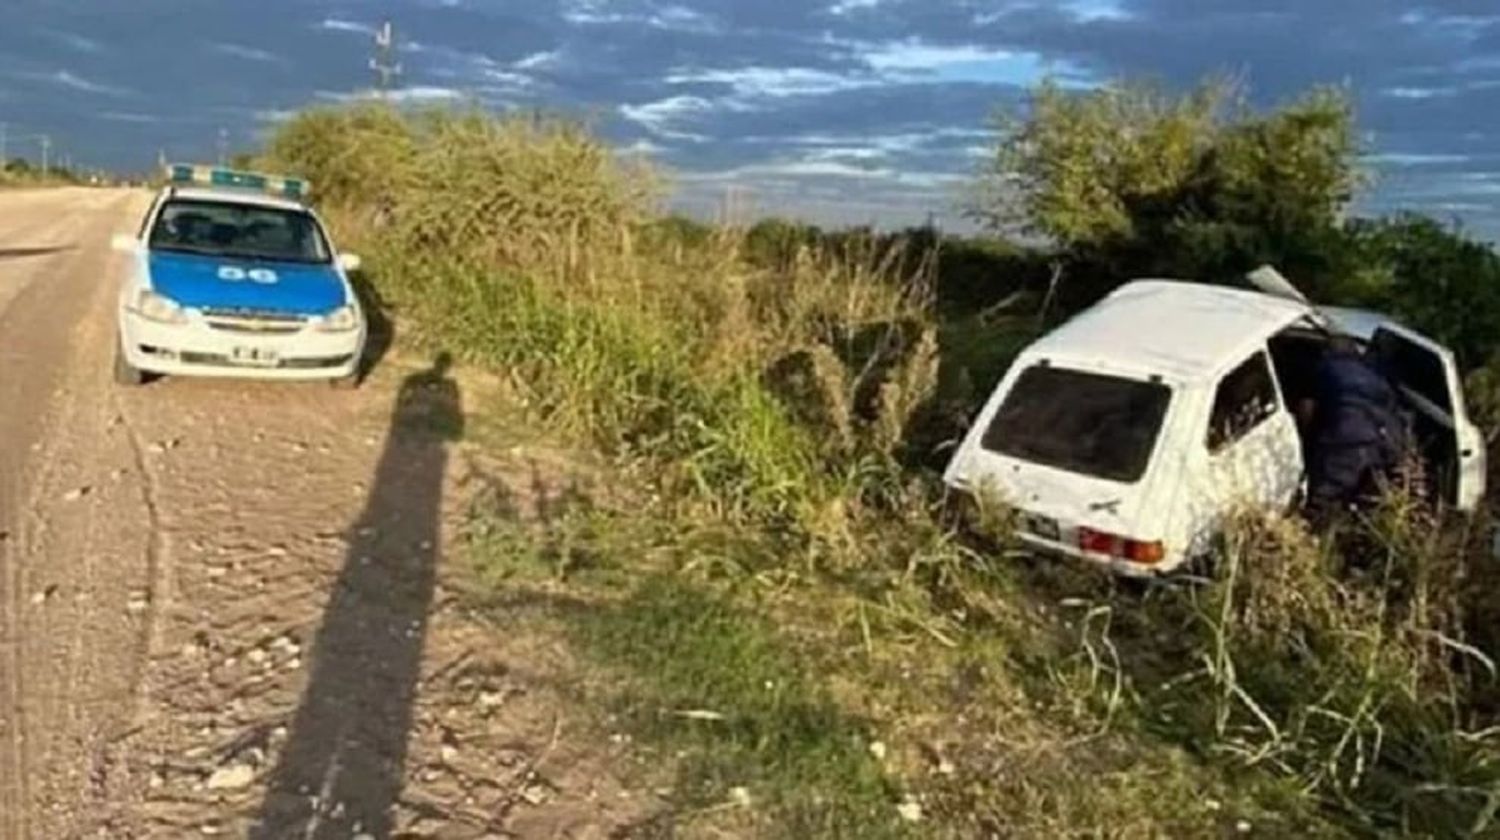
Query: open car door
point(1427, 376)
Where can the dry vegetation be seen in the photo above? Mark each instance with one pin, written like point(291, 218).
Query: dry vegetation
point(782, 600)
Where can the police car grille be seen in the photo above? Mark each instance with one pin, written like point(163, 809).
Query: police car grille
point(253, 321)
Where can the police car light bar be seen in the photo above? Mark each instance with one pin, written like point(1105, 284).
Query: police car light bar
point(215, 176)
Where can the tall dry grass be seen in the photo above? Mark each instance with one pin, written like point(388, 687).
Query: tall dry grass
point(528, 245)
point(1347, 664)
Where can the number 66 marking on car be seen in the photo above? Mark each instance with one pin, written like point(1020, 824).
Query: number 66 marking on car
point(235, 274)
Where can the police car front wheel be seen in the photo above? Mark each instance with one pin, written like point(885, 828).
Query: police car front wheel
point(125, 374)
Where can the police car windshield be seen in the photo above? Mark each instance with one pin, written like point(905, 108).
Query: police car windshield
point(243, 231)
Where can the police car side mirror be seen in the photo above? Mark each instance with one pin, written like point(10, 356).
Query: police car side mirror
point(125, 243)
point(350, 262)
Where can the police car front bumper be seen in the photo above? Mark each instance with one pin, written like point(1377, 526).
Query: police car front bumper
point(239, 346)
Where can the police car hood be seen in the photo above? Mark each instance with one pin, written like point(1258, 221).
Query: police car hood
point(207, 281)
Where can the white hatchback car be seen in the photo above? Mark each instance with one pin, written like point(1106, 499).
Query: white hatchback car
point(1127, 435)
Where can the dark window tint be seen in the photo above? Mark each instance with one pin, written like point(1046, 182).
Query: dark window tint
point(1413, 366)
point(1245, 399)
point(1088, 423)
point(242, 231)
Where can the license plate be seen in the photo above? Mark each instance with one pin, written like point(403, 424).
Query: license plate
point(1044, 527)
point(254, 356)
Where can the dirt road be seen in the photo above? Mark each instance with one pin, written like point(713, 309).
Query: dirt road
point(227, 606)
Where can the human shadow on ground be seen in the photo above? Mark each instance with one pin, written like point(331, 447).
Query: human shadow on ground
point(340, 773)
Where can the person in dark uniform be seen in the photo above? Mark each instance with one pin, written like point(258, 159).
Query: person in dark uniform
point(1358, 435)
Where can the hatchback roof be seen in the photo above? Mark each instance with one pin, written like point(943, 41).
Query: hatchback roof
point(1182, 330)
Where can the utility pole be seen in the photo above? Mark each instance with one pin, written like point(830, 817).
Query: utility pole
point(223, 147)
point(384, 61)
point(46, 153)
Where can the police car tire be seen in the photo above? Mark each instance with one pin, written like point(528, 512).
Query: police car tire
point(125, 374)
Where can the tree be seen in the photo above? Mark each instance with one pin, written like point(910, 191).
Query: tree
point(1129, 180)
point(1436, 279)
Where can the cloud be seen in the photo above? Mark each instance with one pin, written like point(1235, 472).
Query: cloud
point(848, 7)
point(1087, 11)
point(822, 168)
point(757, 82)
point(340, 25)
point(1417, 92)
point(274, 116)
point(641, 147)
point(537, 60)
point(1414, 159)
point(127, 117)
point(403, 95)
point(73, 40)
point(247, 53)
point(964, 62)
point(67, 79)
point(660, 116)
point(828, 106)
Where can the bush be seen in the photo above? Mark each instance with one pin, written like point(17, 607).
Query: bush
point(1437, 279)
point(525, 244)
point(364, 156)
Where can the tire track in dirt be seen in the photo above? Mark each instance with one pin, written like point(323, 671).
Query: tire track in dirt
point(157, 561)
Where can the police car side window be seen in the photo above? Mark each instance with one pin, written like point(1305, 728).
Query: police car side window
point(1246, 397)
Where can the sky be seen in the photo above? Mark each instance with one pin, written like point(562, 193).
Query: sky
point(838, 111)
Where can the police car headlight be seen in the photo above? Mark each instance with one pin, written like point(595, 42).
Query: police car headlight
point(342, 319)
point(158, 308)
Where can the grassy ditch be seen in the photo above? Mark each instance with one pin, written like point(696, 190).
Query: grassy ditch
point(784, 602)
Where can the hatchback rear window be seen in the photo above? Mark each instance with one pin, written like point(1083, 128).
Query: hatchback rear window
point(1093, 424)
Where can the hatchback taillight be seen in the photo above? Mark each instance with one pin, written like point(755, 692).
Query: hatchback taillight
point(1113, 545)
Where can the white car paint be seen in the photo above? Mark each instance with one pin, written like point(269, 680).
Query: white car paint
point(1188, 337)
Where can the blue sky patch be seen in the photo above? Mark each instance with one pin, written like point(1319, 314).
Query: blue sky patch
point(839, 110)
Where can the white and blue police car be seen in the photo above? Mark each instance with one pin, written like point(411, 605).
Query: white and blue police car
point(232, 275)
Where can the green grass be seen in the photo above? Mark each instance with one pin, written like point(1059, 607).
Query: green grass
point(713, 685)
point(698, 677)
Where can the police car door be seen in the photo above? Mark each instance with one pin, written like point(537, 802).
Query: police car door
point(1427, 376)
point(1255, 455)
